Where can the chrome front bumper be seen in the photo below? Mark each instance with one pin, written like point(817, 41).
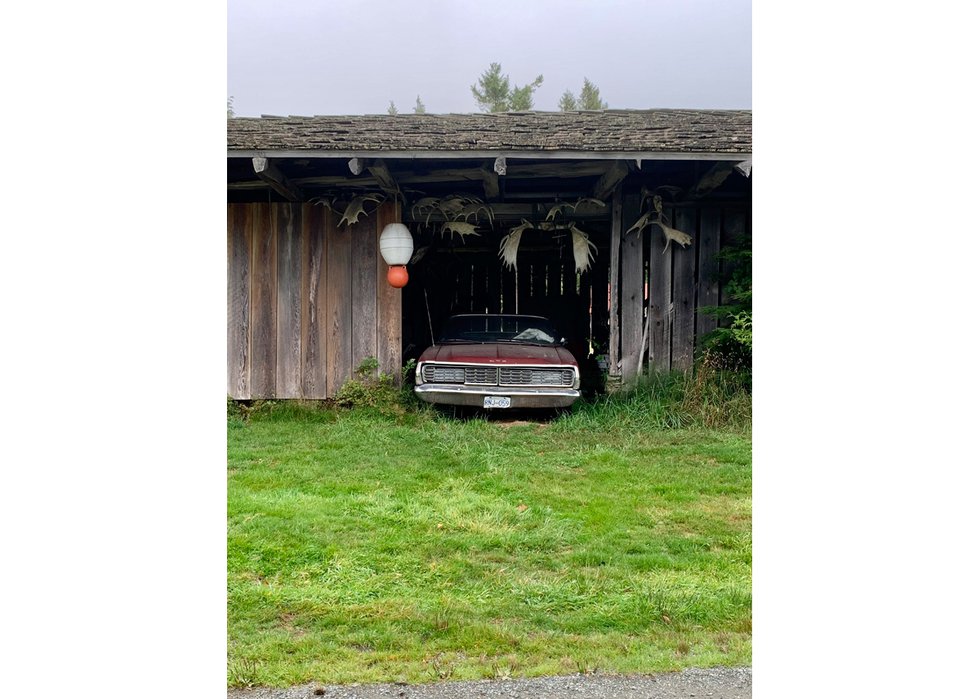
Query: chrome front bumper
point(520, 397)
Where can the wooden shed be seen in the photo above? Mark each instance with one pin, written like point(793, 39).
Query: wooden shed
point(308, 299)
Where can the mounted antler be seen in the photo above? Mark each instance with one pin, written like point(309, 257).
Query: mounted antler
point(356, 207)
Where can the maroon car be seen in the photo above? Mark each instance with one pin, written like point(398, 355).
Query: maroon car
point(498, 361)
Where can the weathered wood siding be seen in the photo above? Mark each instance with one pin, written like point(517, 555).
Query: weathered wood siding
point(678, 283)
point(308, 301)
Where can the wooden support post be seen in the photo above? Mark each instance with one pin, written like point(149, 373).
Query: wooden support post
point(270, 175)
point(615, 235)
point(239, 285)
point(631, 296)
point(608, 182)
point(389, 311)
point(661, 283)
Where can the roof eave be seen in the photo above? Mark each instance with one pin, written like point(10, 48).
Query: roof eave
point(473, 154)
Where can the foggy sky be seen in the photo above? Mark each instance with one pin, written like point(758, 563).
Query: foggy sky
point(304, 57)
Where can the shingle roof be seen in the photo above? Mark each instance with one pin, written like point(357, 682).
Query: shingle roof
point(615, 130)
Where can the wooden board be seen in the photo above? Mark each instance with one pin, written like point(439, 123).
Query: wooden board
point(660, 281)
point(684, 294)
point(631, 298)
point(615, 240)
point(263, 307)
point(364, 289)
point(239, 246)
point(289, 248)
point(314, 302)
point(708, 243)
point(389, 300)
point(339, 360)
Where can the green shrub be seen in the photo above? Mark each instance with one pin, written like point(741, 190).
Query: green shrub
point(727, 350)
point(367, 390)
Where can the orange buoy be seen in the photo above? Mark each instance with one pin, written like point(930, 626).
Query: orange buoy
point(397, 276)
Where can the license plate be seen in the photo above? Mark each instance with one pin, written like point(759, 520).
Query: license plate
point(496, 401)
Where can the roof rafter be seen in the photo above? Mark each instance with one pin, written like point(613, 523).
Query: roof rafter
point(270, 174)
point(613, 176)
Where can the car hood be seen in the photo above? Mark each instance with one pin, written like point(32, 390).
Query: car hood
point(498, 353)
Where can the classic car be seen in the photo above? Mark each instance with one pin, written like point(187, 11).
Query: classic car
point(498, 361)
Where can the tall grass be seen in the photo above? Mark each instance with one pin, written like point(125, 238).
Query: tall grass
point(702, 399)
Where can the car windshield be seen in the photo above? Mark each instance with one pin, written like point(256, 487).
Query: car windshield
point(504, 328)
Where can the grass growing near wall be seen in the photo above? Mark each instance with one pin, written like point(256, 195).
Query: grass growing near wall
point(708, 399)
point(408, 546)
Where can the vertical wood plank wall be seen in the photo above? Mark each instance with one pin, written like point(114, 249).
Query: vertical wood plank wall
point(308, 301)
point(682, 282)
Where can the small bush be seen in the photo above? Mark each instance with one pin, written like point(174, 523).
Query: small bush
point(367, 390)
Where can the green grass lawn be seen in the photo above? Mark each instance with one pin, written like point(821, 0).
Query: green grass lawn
point(411, 547)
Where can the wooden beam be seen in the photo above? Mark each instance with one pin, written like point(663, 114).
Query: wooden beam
point(270, 175)
point(631, 299)
point(660, 310)
point(516, 171)
point(607, 183)
point(615, 236)
point(683, 295)
point(491, 183)
point(382, 174)
point(711, 180)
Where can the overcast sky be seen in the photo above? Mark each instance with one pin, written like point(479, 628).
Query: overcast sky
point(308, 57)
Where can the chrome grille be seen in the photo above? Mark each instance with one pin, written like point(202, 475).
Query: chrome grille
point(536, 377)
point(494, 376)
point(443, 374)
point(482, 375)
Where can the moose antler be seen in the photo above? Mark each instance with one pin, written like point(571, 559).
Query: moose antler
point(461, 228)
point(356, 207)
point(510, 242)
point(583, 249)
